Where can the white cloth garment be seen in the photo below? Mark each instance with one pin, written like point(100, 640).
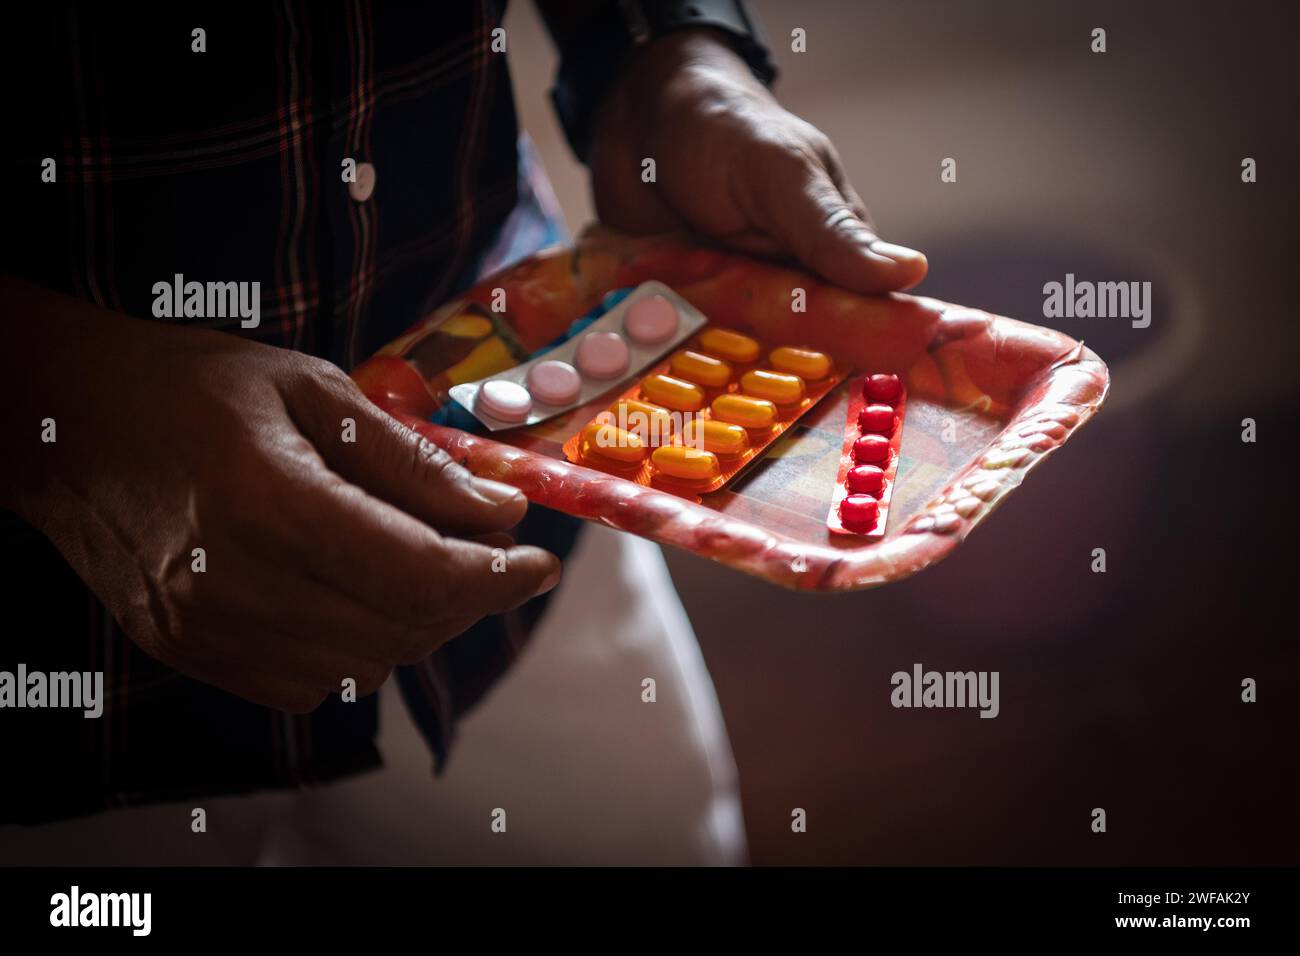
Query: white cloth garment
point(585, 771)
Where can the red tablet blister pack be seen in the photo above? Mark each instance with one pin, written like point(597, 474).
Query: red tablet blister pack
point(873, 433)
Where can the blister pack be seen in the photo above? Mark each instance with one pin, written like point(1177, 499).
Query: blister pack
point(621, 343)
point(696, 419)
point(868, 468)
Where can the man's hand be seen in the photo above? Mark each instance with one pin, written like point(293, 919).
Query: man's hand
point(733, 165)
point(324, 559)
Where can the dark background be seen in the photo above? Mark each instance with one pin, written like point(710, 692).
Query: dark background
point(1119, 690)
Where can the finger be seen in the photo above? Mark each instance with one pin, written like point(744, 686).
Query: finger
point(493, 580)
point(403, 468)
point(509, 586)
point(797, 202)
point(358, 545)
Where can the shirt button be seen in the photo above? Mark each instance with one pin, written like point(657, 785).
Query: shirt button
point(361, 188)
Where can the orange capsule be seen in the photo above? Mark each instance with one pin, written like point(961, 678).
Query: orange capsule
point(729, 345)
point(744, 410)
point(610, 441)
point(808, 365)
point(673, 393)
point(687, 464)
point(776, 387)
point(700, 368)
point(651, 423)
point(721, 438)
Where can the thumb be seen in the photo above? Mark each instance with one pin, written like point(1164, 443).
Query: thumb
point(395, 464)
point(484, 581)
point(817, 222)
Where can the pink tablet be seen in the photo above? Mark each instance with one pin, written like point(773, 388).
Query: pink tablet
point(651, 320)
point(505, 400)
point(554, 382)
point(602, 355)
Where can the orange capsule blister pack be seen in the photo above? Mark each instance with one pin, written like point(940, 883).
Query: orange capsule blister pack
point(696, 419)
point(873, 434)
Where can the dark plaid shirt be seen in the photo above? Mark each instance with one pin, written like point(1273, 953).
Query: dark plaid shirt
point(226, 165)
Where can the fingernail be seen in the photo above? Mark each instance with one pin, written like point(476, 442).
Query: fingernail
point(497, 492)
point(900, 254)
point(551, 581)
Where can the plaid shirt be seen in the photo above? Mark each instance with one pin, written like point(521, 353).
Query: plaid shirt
point(226, 165)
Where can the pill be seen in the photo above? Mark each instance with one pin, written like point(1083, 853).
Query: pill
point(651, 321)
point(1005, 459)
point(689, 464)
point(729, 345)
point(508, 401)
point(859, 512)
point(651, 423)
point(946, 523)
point(877, 418)
point(602, 355)
point(607, 439)
point(743, 410)
point(881, 388)
point(776, 387)
point(865, 480)
point(1050, 428)
point(554, 382)
point(721, 438)
point(871, 448)
point(807, 364)
point(700, 368)
point(1055, 413)
point(673, 393)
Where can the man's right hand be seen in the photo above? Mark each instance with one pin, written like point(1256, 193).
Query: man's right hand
point(325, 559)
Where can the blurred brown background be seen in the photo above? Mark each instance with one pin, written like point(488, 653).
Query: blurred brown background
point(1118, 690)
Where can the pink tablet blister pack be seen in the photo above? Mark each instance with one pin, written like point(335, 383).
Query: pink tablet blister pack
point(869, 462)
point(620, 344)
